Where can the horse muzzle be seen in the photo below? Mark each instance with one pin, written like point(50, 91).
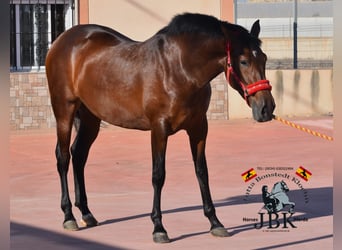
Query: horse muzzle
point(262, 104)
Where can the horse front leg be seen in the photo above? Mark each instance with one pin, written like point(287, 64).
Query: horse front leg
point(197, 136)
point(159, 142)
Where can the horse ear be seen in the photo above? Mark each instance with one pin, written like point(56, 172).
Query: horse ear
point(255, 28)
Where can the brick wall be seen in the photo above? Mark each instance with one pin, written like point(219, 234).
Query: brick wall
point(218, 109)
point(30, 102)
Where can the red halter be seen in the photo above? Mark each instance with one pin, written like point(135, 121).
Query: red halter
point(248, 89)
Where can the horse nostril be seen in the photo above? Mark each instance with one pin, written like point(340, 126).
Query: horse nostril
point(264, 111)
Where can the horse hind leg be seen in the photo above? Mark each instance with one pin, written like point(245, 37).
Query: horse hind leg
point(87, 131)
point(64, 116)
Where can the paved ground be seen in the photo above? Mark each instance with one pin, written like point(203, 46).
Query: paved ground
point(120, 193)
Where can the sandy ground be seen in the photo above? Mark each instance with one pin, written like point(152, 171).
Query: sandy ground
point(118, 180)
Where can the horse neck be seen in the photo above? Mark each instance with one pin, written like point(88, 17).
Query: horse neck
point(202, 58)
point(276, 189)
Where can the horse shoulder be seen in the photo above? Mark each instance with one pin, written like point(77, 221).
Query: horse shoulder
point(177, 94)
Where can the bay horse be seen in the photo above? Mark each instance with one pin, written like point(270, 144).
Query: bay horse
point(162, 84)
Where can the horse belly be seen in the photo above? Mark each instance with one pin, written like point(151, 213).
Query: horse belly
point(127, 119)
point(120, 108)
point(119, 113)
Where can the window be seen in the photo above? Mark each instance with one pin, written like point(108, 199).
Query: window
point(34, 25)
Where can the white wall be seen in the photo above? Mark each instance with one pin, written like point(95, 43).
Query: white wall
point(140, 20)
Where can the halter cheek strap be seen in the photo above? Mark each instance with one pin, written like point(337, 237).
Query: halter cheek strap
point(249, 89)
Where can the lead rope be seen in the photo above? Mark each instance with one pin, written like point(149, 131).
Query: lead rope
point(329, 138)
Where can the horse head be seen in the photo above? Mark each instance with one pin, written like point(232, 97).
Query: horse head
point(280, 186)
point(245, 69)
point(284, 186)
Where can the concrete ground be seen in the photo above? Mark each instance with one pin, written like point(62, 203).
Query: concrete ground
point(118, 180)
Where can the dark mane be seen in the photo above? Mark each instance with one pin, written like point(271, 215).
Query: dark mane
point(242, 35)
point(193, 24)
point(190, 23)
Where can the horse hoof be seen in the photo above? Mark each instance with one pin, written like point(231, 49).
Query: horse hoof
point(219, 232)
point(88, 220)
point(70, 225)
point(161, 238)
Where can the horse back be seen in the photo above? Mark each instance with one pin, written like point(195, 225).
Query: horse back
point(69, 44)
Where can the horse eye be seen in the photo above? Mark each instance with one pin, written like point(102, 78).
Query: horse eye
point(244, 63)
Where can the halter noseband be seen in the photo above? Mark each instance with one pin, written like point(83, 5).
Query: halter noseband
point(249, 89)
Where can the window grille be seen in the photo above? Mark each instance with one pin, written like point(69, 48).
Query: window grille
point(34, 25)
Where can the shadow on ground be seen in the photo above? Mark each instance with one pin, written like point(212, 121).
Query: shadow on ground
point(25, 235)
point(319, 205)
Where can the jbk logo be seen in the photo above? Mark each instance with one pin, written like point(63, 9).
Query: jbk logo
point(278, 209)
point(274, 221)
